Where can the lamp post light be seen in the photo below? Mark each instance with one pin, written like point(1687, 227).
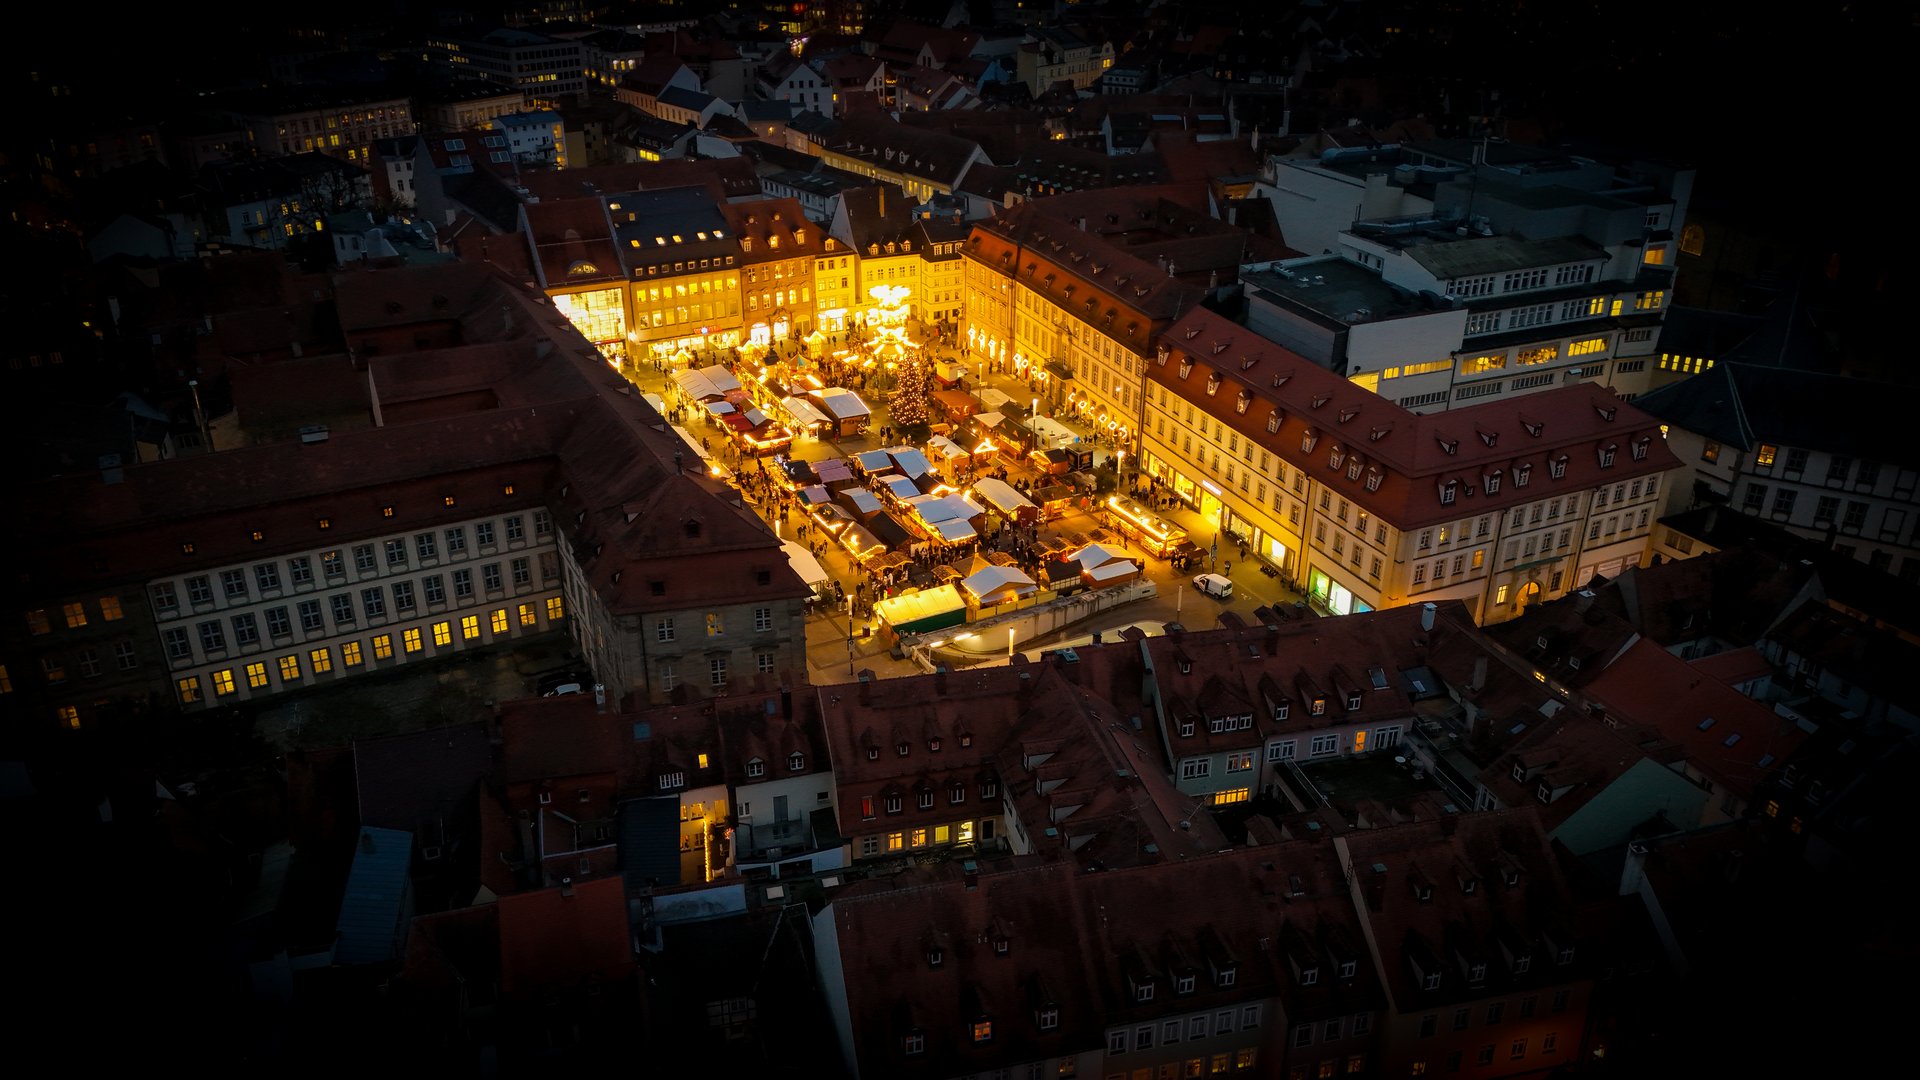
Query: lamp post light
point(850, 635)
point(1009, 643)
point(1179, 597)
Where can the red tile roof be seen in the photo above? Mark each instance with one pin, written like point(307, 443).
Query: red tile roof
point(561, 939)
point(1723, 734)
point(1415, 456)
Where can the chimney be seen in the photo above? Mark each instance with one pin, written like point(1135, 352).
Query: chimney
point(883, 200)
point(1479, 673)
point(1635, 870)
point(1427, 612)
point(866, 688)
point(1582, 601)
point(786, 702)
point(600, 697)
point(940, 682)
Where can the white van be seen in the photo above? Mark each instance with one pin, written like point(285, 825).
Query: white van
point(1214, 585)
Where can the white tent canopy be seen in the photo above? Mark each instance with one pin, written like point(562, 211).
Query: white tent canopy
point(1113, 571)
point(842, 403)
point(992, 399)
point(1001, 495)
point(944, 448)
point(989, 580)
point(1097, 555)
point(803, 412)
point(804, 564)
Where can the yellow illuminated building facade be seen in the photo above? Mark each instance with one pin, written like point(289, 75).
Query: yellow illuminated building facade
point(688, 311)
point(836, 277)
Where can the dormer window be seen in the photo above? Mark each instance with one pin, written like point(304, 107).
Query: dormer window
point(1213, 382)
point(1353, 700)
point(989, 788)
point(1240, 403)
point(1336, 456)
point(1374, 476)
point(1544, 793)
point(905, 748)
point(1519, 772)
point(1183, 984)
point(914, 1043)
point(1273, 422)
point(1048, 1018)
point(796, 762)
point(1521, 474)
point(1477, 974)
point(1143, 991)
point(1225, 977)
point(1001, 945)
point(1317, 707)
point(1566, 955)
point(893, 804)
point(1451, 446)
point(1309, 976)
point(1638, 448)
point(1522, 964)
point(1186, 367)
point(1433, 981)
point(1353, 467)
point(957, 794)
point(1558, 466)
point(935, 958)
point(1490, 482)
point(1606, 455)
point(933, 743)
point(1308, 440)
point(1347, 968)
point(1280, 711)
point(756, 768)
point(1161, 356)
point(1447, 492)
point(873, 753)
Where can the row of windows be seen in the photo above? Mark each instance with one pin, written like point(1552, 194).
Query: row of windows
point(320, 661)
point(236, 584)
point(960, 832)
point(73, 615)
point(88, 662)
point(1200, 1026)
point(373, 603)
point(233, 584)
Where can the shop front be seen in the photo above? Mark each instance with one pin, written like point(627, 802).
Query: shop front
point(685, 350)
point(1329, 593)
point(601, 317)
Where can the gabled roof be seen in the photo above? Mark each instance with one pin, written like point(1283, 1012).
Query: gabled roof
point(1723, 734)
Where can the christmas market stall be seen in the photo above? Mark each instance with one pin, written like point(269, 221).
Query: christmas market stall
point(922, 612)
point(1001, 498)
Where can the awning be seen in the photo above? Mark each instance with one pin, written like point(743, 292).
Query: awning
point(803, 563)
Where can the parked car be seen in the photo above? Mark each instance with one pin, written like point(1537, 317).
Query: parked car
point(1214, 585)
point(564, 682)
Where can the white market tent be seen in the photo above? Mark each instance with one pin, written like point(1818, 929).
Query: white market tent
point(804, 564)
point(719, 408)
point(803, 412)
point(993, 399)
point(994, 584)
point(697, 386)
point(844, 404)
point(1097, 555)
point(721, 378)
point(1002, 496)
point(1110, 573)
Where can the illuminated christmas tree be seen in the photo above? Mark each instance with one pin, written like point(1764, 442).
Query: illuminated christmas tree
point(898, 353)
point(908, 403)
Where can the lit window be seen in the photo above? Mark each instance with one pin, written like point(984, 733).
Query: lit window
point(554, 609)
point(442, 634)
point(350, 654)
point(289, 668)
point(469, 627)
point(76, 615)
point(223, 683)
point(411, 640)
point(499, 621)
point(322, 660)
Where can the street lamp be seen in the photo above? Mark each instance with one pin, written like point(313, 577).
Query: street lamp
point(1179, 597)
point(1009, 643)
point(850, 634)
